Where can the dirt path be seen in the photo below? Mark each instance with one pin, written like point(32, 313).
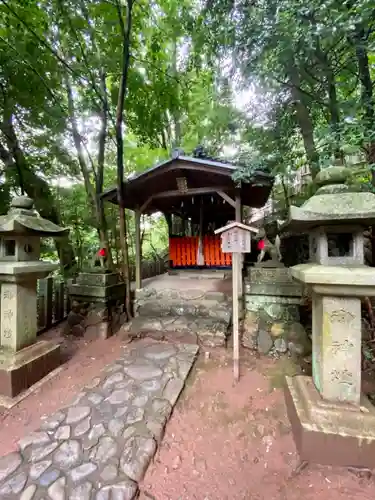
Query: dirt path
point(226, 442)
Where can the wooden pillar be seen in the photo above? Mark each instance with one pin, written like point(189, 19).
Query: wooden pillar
point(238, 210)
point(200, 256)
point(138, 250)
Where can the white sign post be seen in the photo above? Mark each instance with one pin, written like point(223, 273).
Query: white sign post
point(236, 239)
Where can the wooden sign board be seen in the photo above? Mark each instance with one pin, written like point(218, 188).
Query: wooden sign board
point(236, 240)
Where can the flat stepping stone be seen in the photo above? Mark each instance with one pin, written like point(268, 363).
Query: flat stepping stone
point(101, 445)
point(210, 332)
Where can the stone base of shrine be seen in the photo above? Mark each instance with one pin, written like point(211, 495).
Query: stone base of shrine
point(330, 433)
point(20, 370)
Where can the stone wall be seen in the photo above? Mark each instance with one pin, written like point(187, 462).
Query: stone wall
point(272, 319)
point(97, 305)
point(262, 333)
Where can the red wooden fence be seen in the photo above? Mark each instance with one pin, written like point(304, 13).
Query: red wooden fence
point(183, 252)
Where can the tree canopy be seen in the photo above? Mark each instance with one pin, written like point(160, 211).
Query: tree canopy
point(92, 91)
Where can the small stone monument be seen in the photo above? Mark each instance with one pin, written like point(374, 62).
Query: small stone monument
point(332, 422)
point(270, 287)
point(97, 302)
point(23, 360)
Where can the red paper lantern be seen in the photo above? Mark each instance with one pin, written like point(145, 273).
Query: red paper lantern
point(102, 252)
point(261, 245)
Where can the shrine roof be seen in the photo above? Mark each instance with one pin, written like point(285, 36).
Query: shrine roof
point(172, 185)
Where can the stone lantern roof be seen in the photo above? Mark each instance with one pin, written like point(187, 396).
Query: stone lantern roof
point(334, 203)
point(23, 218)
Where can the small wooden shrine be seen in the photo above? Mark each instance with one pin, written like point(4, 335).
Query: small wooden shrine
point(197, 196)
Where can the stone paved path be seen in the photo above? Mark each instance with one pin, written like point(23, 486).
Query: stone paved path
point(100, 446)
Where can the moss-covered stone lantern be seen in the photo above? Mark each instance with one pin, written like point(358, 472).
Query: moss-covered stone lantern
point(23, 361)
point(333, 423)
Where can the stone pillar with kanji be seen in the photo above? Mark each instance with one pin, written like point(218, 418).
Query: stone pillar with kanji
point(23, 360)
point(333, 422)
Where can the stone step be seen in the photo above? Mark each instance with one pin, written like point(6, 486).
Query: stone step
point(184, 295)
point(201, 309)
point(209, 332)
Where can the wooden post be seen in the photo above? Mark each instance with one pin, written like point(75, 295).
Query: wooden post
point(236, 343)
point(236, 239)
point(46, 291)
point(138, 250)
point(238, 210)
point(200, 256)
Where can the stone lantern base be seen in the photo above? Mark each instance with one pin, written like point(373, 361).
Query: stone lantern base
point(97, 300)
point(22, 369)
point(327, 433)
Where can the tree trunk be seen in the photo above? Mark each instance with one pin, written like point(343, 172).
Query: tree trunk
point(367, 101)
point(303, 118)
point(36, 188)
point(333, 104)
point(125, 30)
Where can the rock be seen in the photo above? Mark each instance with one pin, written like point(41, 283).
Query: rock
point(68, 454)
point(36, 470)
point(42, 452)
point(95, 398)
point(156, 429)
point(366, 330)
point(77, 331)
point(34, 438)
point(161, 409)
point(77, 413)
point(9, 464)
point(150, 386)
point(94, 383)
point(265, 341)
point(53, 422)
point(126, 490)
point(113, 379)
point(63, 432)
point(57, 490)
point(81, 492)
point(14, 485)
point(173, 389)
point(277, 329)
point(49, 477)
point(298, 340)
point(143, 371)
point(116, 426)
point(134, 415)
point(82, 427)
point(250, 330)
point(140, 401)
point(109, 473)
point(176, 462)
point(82, 471)
point(97, 431)
point(159, 352)
point(119, 396)
point(136, 456)
point(105, 449)
point(280, 345)
point(74, 319)
point(28, 494)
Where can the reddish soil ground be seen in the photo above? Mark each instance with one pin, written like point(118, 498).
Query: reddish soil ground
point(234, 442)
point(84, 358)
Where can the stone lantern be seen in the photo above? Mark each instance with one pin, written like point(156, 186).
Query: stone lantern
point(332, 421)
point(23, 360)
